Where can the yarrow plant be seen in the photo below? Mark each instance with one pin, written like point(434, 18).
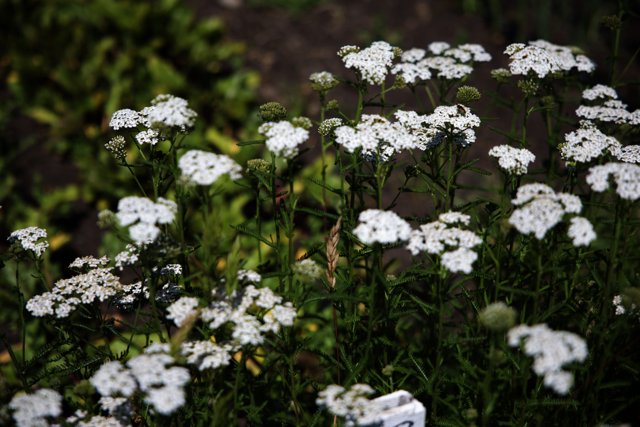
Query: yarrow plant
point(392, 241)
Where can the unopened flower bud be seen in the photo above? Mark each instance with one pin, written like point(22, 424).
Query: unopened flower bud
point(106, 218)
point(302, 122)
point(323, 81)
point(501, 75)
point(497, 317)
point(467, 94)
point(332, 104)
point(272, 112)
point(528, 87)
point(328, 126)
point(258, 166)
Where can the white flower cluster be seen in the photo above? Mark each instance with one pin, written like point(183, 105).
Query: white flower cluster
point(624, 306)
point(377, 138)
point(443, 238)
point(162, 385)
point(372, 63)
point(513, 160)
point(456, 122)
point(385, 227)
point(608, 108)
point(204, 168)
point(323, 81)
point(551, 350)
point(89, 262)
point(99, 421)
point(251, 313)
point(169, 111)
point(625, 175)
point(544, 58)
point(145, 214)
point(446, 62)
point(97, 284)
point(353, 404)
point(166, 111)
point(31, 410)
point(30, 239)
point(129, 256)
point(540, 209)
point(283, 138)
point(587, 143)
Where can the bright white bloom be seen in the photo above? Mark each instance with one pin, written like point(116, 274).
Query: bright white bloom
point(551, 350)
point(183, 309)
point(125, 118)
point(149, 136)
point(438, 47)
point(411, 73)
point(629, 154)
point(147, 214)
point(617, 303)
point(250, 313)
point(581, 231)
point(543, 58)
point(31, 410)
point(478, 54)
point(95, 285)
point(446, 67)
point(625, 175)
point(89, 262)
point(323, 81)
point(163, 386)
point(612, 110)
point(413, 55)
point(352, 404)
point(169, 111)
point(112, 379)
point(540, 209)
point(377, 138)
point(170, 270)
point(31, 239)
point(384, 227)
point(459, 261)
point(372, 63)
point(204, 168)
point(249, 276)
point(456, 122)
point(206, 354)
point(283, 138)
point(599, 91)
point(127, 257)
point(443, 238)
point(587, 143)
point(513, 160)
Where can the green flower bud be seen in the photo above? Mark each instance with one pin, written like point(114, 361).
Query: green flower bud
point(399, 82)
point(84, 388)
point(307, 270)
point(302, 122)
point(258, 167)
point(332, 104)
point(272, 112)
point(470, 414)
point(501, 75)
point(106, 218)
point(397, 52)
point(528, 87)
point(117, 147)
point(387, 370)
point(323, 81)
point(467, 94)
point(613, 22)
point(497, 317)
point(327, 127)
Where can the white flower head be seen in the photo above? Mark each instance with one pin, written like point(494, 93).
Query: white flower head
point(540, 208)
point(581, 231)
point(182, 310)
point(33, 409)
point(543, 58)
point(385, 227)
point(125, 118)
point(551, 350)
point(514, 161)
point(625, 175)
point(444, 238)
point(283, 138)
point(146, 214)
point(599, 91)
point(168, 111)
point(149, 137)
point(204, 168)
point(588, 143)
point(372, 63)
point(30, 239)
